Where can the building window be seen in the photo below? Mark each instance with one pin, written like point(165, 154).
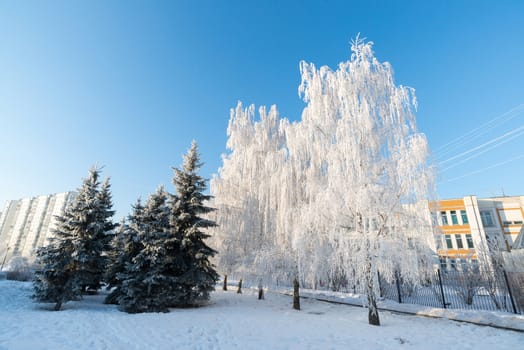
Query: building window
point(454, 219)
point(449, 243)
point(464, 217)
point(444, 218)
point(458, 238)
point(487, 219)
point(469, 240)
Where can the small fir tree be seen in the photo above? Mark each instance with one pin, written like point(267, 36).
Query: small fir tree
point(114, 266)
point(146, 283)
point(76, 257)
point(198, 275)
point(54, 281)
point(106, 214)
point(125, 245)
point(91, 226)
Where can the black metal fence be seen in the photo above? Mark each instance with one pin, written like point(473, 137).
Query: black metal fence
point(473, 290)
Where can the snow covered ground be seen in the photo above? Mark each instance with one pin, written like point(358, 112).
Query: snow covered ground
point(231, 321)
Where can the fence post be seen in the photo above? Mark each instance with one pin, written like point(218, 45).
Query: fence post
point(509, 291)
point(398, 287)
point(379, 284)
point(441, 289)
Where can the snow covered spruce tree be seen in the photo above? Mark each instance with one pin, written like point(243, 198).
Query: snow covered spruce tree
point(54, 281)
point(125, 245)
point(106, 215)
point(333, 197)
point(75, 258)
point(91, 227)
point(147, 281)
point(197, 277)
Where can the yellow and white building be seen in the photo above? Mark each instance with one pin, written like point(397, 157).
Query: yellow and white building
point(467, 228)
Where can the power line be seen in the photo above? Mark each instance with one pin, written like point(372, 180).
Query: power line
point(478, 150)
point(486, 168)
point(510, 135)
point(482, 152)
point(479, 131)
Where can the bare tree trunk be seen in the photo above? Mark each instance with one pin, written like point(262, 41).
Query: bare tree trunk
point(58, 305)
point(224, 287)
point(373, 317)
point(260, 291)
point(296, 295)
point(239, 290)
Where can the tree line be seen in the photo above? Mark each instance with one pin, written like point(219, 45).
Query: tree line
point(154, 260)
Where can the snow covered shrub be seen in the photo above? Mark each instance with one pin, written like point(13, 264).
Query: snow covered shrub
point(19, 269)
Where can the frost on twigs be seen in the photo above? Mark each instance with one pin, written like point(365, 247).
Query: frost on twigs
point(335, 196)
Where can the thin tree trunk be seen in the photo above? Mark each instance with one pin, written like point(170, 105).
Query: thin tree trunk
point(260, 291)
point(58, 305)
point(224, 287)
point(296, 295)
point(239, 290)
point(373, 317)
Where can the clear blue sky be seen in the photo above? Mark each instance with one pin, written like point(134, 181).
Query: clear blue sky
point(129, 84)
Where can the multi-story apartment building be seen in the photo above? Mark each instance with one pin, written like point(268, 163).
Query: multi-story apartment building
point(25, 224)
point(470, 228)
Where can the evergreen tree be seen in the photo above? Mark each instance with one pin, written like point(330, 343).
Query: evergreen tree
point(114, 256)
point(199, 276)
point(54, 282)
point(106, 214)
point(125, 245)
point(75, 259)
point(146, 283)
point(90, 226)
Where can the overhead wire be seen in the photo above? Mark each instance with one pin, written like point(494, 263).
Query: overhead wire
point(478, 150)
point(486, 168)
point(482, 152)
point(481, 130)
point(510, 135)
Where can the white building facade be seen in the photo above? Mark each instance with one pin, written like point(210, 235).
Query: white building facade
point(470, 227)
point(26, 224)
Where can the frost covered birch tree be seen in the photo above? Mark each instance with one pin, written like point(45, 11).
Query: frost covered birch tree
point(252, 205)
point(377, 165)
point(335, 196)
